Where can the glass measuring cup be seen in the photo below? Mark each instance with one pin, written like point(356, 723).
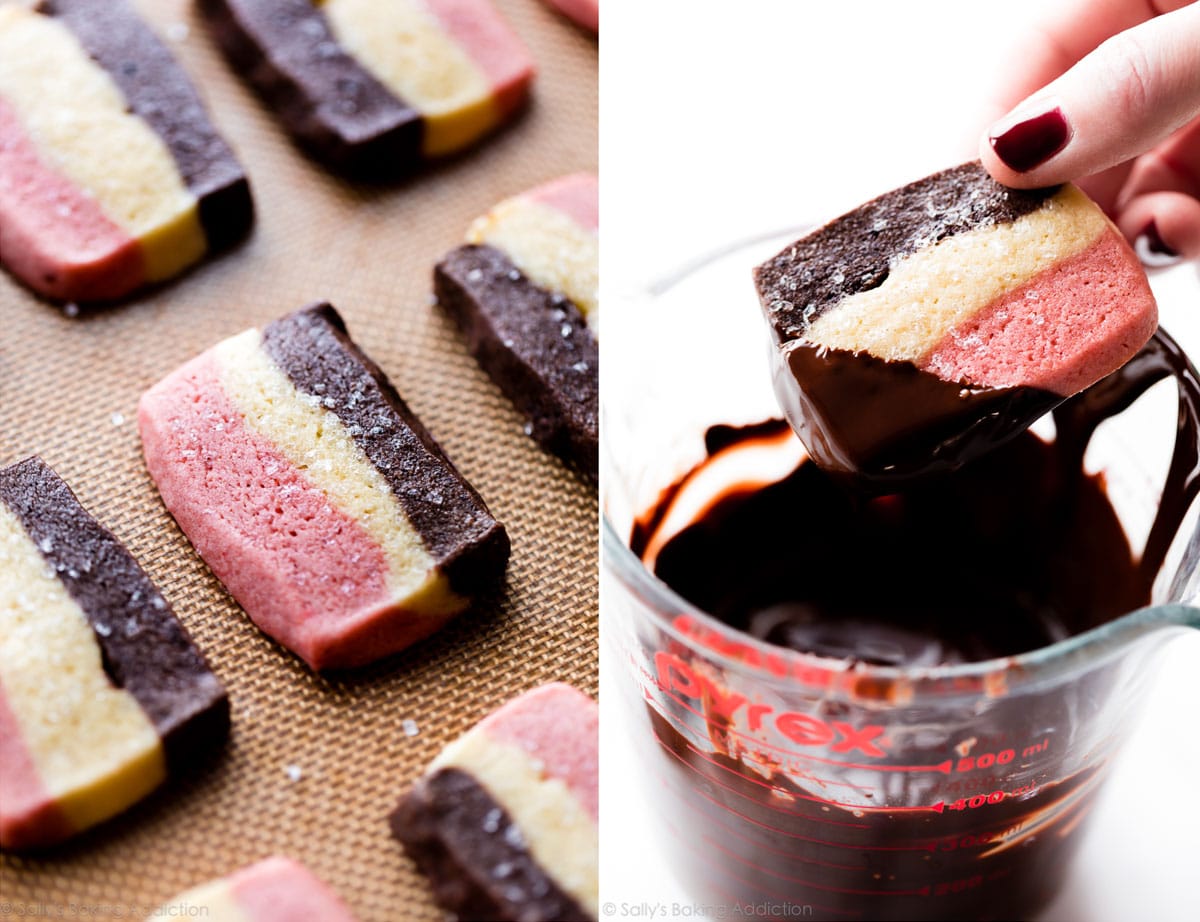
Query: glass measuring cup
point(808, 789)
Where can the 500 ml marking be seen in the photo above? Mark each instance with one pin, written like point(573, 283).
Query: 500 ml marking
point(1003, 757)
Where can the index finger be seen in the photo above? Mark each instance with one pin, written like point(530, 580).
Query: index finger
point(1074, 31)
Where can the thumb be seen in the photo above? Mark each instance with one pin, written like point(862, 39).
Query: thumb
point(1122, 99)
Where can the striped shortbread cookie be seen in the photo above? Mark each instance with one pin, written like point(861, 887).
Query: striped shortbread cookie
point(111, 175)
point(504, 821)
point(314, 493)
point(377, 87)
point(949, 303)
point(272, 890)
point(525, 292)
point(102, 693)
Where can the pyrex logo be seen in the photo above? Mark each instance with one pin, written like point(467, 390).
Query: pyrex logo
point(675, 675)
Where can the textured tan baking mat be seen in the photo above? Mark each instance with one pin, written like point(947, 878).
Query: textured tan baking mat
point(314, 764)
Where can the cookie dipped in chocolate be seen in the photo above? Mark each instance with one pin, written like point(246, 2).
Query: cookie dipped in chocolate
point(1022, 540)
point(940, 320)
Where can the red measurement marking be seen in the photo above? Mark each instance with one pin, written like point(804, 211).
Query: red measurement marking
point(943, 767)
point(923, 891)
point(788, 754)
point(759, 846)
point(828, 782)
point(976, 801)
point(932, 846)
point(764, 784)
point(936, 808)
point(707, 858)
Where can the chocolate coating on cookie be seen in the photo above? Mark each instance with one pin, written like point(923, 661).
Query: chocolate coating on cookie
point(919, 424)
point(474, 855)
point(534, 343)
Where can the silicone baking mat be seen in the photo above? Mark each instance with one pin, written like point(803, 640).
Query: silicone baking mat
point(314, 763)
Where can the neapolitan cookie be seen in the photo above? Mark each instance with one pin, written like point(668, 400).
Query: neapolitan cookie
point(524, 292)
point(315, 495)
point(944, 317)
point(272, 890)
point(111, 175)
point(102, 693)
point(504, 821)
point(377, 88)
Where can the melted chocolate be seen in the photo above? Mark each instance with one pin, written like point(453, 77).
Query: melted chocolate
point(886, 422)
point(764, 841)
point(1013, 552)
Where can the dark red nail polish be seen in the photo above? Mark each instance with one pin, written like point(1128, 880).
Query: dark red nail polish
point(1032, 142)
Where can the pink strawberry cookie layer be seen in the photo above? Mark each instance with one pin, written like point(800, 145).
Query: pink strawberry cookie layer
point(52, 235)
point(551, 234)
point(478, 28)
point(29, 816)
point(273, 890)
point(281, 890)
point(1062, 330)
point(559, 727)
point(537, 759)
point(296, 563)
point(584, 12)
point(577, 196)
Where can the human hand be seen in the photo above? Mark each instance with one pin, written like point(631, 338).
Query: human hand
point(1115, 107)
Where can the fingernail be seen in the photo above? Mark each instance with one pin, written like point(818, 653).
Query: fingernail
point(1152, 250)
point(1032, 141)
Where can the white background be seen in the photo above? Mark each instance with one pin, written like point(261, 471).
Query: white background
point(721, 121)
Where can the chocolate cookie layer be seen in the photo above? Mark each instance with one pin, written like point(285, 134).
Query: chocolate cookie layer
point(939, 320)
point(146, 650)
point(474, 855)
point(315, 495)
point(853, 254)
point(159, 92)
point(328, 101)
point(534, 343)
point(311, 346)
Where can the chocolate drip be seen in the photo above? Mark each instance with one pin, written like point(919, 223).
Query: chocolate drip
point(853, 253)
point(328, 101)
point(158, 91)
point(312, 348)
point(886, 422)
point(474, 854)
point(1077, 420)
point(534, 343)
point(146, 651)
point(1012, 552)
